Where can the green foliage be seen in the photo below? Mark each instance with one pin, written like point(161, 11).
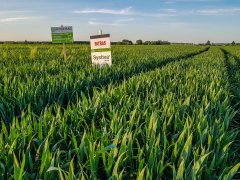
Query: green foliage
point(160, 112)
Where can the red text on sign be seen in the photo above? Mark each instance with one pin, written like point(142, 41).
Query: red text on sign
point(100, 43)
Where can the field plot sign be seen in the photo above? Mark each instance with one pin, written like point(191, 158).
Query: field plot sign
point(101, 49)
point(62, 35)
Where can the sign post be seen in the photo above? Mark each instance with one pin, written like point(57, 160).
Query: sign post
point(64, 52)
point(101, 49)
point(62, 35)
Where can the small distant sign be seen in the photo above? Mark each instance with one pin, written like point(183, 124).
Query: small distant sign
point(101, 52)
point(62, 34)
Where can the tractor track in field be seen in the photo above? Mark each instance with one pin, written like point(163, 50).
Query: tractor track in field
point(106, 82)
point(235, 100)
point(233, 83)
point(151, 67)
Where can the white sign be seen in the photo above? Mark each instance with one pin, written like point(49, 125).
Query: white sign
point(102, 58)
point(100, 41)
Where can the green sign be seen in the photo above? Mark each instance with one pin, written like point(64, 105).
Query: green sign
point(63, 34)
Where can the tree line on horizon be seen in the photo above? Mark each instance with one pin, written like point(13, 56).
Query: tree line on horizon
point(140, 42)
point(123, 42)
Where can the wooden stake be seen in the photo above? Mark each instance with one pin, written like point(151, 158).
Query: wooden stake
point(64, 52)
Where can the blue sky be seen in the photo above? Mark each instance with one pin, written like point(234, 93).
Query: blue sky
point(173, 20)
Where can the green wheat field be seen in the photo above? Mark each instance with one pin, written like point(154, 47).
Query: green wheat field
point(159, 112)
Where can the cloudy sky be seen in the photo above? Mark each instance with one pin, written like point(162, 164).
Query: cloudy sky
point(173, 20)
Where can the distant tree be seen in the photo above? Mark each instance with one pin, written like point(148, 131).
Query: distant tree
point(139, 42)
point(126, 42)
point(119, 43)
point(154, 43)
point(147, 43)
point(233, 43)
point(208, 43)
point(159, 42)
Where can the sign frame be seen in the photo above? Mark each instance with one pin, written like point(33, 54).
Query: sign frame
point(62, 34)
point(101, 49)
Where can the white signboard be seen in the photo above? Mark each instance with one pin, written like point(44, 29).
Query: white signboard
point(101, 42)
point(102, 58)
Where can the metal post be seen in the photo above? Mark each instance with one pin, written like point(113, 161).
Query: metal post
point(100, 31)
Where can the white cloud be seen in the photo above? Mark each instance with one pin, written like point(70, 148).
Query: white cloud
point(119, 22)
point(175, 12)
point(219, 11)
point(157, 14)
point(169, 10)
point(17, 19)
point(14, 12)
point(162, 12)
point(94, 23)
point(126, 11)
